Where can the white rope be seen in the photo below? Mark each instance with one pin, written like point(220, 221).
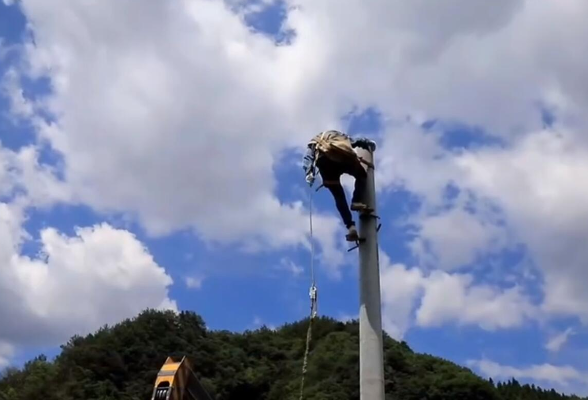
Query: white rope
point(313, 300)
point(312, 278)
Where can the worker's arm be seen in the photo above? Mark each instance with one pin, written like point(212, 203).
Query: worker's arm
point(362, 142)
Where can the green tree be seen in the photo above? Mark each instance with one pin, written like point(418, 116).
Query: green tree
point(121, 362)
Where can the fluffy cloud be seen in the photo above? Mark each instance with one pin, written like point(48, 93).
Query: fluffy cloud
point(35, 183)
point(537, 183)
point(75, 284)
point(415, 160)
point(130, 79)
point(455, 238)
point(439, 297)
point(194, 282)
point(20, 107)
point(175, 94)
point(455, 60)
point(290, 266)
point(457, 298)
point(160, 118)
point(401, 288)
point(556, 342)
point(563, 376)
point(526, 192)
point(185, 122)
point(176, 113)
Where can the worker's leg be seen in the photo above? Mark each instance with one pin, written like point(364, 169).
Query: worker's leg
point(331, 173)
point(341, 202)
point(358, 200)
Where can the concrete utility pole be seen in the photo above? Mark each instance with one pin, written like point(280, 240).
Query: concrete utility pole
point(371, 351)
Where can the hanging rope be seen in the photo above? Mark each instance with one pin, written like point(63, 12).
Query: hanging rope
point(313, 300)
point(312, 278)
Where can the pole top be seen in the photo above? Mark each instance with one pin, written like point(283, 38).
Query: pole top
point(367, 144)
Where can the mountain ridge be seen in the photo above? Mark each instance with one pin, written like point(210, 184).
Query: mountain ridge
point(120, 362)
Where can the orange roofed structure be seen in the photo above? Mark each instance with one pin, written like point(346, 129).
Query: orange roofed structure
point(176, 381)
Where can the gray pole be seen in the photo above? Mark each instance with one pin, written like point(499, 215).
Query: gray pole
point(371, 357)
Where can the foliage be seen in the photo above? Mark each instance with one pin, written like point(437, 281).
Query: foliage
point(121, 362)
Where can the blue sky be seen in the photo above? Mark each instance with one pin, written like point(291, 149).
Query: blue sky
point(241, 290)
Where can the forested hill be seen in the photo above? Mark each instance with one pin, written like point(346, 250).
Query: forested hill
point(121, 362)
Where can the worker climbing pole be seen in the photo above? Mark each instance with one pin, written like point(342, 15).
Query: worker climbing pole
point(333, 153)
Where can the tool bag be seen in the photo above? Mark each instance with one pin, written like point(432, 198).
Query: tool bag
point(335, 146)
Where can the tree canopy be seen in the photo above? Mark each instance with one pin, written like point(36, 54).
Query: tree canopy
point(121, 363)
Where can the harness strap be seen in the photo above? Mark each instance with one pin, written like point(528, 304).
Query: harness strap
point(364, 161)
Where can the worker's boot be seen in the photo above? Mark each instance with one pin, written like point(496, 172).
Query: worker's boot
point(352, 235)
point(357, 206)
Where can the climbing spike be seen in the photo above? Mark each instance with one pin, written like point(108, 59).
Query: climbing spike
point(368, 215)
point(357, 242)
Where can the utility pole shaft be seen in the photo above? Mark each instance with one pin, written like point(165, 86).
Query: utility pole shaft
point(371, 351)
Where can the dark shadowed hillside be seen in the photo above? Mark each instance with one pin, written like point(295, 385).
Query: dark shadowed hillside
point(121, 362)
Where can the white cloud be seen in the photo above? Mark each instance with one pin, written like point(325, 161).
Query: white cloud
point(401, 288)
point(547, 373)
point(537, 183)
point(533, 182)
point(194, 282)
point(414, 159)
point(410, 297)
point(184, 123)
point(453, 297)
point(19, 105)
point(6, 353)
point(344, 317)
point(189, 109)
point(455, 238)
point(556, 342)
point(23, 176)
point(290, 266)
point(75, 284)
point(248, 7)
point(170, 100)
point(450, 67)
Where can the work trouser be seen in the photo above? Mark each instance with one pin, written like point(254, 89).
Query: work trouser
point(331, 172)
